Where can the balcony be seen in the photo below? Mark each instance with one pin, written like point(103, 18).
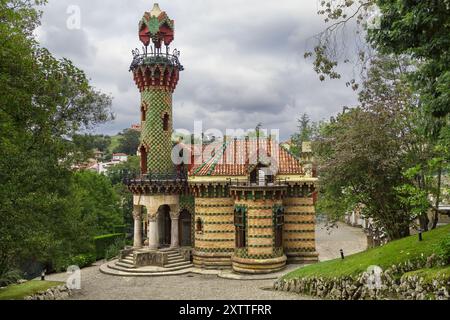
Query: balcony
point(156, 57)
point(152, 178)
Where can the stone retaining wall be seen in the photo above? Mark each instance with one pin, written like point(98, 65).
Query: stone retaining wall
point(363, 287)
point(57, 293)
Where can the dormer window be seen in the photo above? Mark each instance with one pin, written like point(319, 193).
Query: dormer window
point(261, 175)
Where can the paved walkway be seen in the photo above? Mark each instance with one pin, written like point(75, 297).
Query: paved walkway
point(96, 285)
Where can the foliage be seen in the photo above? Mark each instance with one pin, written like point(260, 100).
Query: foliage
point(420, 29)
point(10, 277)
point(104, 242)
point(307, 131)
point(43, 103)
point(20, 291)
point(128, 142)
point(116, 174)
point(392, 253)
point(80, 260)
point(87, 143)
point(377, 154)
point(98, 201)
point(114, 249)
point(443, 249)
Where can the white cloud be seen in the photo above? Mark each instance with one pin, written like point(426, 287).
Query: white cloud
point(244, 59)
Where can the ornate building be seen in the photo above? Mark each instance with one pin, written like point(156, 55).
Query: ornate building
point(240, 202)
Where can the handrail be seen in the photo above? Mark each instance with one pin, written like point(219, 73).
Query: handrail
point(152, 177)
point(235, 182)
point(156, 57)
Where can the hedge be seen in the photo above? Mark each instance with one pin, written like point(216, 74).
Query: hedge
point(81, 260)
point(121, 228)
point(103, 242)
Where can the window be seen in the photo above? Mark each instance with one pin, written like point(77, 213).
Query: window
point(143, 114)
point(198, 225)
point(166, 122)
point(278, 224)
point(143, 153)
point(239, 222)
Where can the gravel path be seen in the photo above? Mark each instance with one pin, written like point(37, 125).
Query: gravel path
point(96, 285)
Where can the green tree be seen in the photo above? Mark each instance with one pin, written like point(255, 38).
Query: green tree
point(377, 155)
point(98, 201)
point(307, 131)
point(86, 144)
point(421, 30)
point(418, 29)
point(117, 174)
point(128, 142)
point(43, 103)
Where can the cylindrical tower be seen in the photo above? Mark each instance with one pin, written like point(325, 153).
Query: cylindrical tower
point(156, 73)
point(160, 184)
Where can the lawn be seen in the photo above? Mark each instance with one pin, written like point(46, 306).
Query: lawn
point(430, 274)
point(114, 143)
point(394, 252)
point(20, 291)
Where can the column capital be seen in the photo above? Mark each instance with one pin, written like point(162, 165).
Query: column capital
point(174, 212)
point(137, 212)
point(152, 217)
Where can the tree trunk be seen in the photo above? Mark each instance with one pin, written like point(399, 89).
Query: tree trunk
point(424, 221)
point(436, 209)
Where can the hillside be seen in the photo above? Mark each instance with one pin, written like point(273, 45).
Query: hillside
point(395, 252)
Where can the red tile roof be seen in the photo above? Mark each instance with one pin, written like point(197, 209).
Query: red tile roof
point(235, 156)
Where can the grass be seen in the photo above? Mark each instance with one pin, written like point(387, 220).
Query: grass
point(20, 291)
point(394, 252)
point(430, 274)
point(114, 143)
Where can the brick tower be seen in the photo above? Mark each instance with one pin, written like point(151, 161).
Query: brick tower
point(156, 73)
point(160, 183)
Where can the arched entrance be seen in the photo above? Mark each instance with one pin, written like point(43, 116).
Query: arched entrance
point(164, 226)
point(185, 228)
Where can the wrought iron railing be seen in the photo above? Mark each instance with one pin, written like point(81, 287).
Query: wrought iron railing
point(154, 57)
point(133, 178)
point(235, 182)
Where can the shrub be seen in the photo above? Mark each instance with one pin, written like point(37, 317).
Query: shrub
point(10, 277)
point(120, 228)
point(114, 249)
point(443, 250)
point(81, 260)
point(103, 242)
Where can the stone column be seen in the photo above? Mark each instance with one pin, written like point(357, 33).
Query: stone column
point(137, 243)
point(152, 232)
point(174, 218)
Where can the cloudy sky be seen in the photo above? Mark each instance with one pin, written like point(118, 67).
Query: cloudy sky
point(243, 59)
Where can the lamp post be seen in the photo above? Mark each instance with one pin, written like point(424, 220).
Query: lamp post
point(342, 254)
